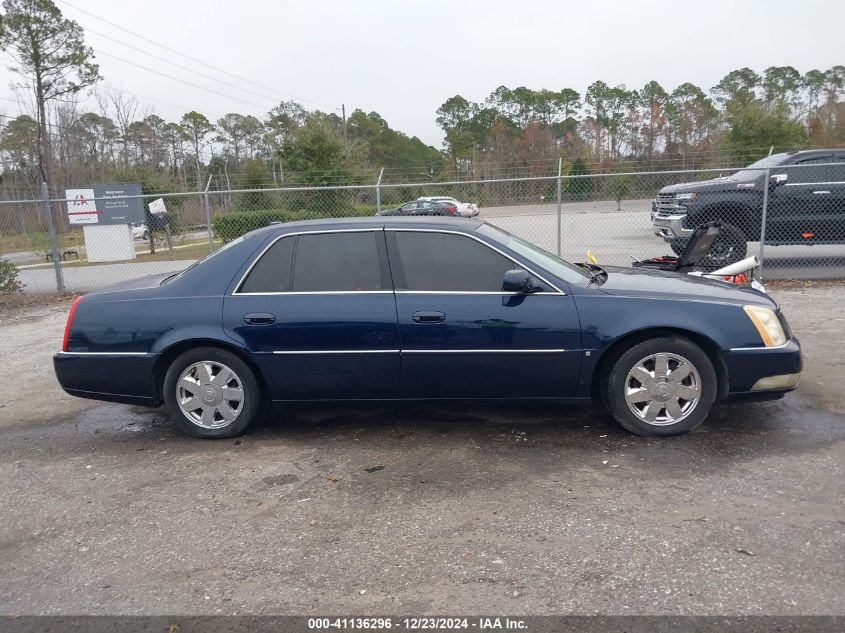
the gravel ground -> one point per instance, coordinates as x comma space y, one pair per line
108, 509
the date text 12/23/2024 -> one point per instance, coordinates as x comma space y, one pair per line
417, 623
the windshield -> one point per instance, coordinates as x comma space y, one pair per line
554, 264
200, 261
755, 170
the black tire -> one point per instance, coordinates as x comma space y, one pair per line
250, 405
731, 246
614, 387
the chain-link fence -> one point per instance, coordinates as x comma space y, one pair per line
798, 210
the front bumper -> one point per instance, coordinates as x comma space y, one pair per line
762, 373
671, 227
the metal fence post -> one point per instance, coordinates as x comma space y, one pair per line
378, 191
208, 215
559, 171
54, 240
763, 215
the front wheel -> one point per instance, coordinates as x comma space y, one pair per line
212, 393
661, 386
728, 248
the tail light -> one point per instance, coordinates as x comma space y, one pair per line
452, 209
70, 320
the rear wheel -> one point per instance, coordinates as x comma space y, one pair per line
212, 393
661, 386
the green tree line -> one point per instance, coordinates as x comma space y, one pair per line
738, 119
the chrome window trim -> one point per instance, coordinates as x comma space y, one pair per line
474, 292
483, 243
315, 292
814, 184
314, 232
235, 293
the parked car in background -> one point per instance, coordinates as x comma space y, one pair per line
806, 205
465, 209
140, 231
423, 207
386, 309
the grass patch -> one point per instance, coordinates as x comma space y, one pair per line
193, 251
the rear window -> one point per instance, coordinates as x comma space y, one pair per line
336, 262
320, 262
272, 272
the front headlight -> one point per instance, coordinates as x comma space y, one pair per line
685, 196
767, 324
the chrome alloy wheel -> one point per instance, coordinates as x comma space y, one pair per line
662, 389
210, 394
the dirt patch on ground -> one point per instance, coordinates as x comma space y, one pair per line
421, 510
31, 329
29, 305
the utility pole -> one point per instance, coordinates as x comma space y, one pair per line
343, 112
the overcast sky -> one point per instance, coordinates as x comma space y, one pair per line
403, 58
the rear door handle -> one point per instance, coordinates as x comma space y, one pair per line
430, 316
821, 193
259, 318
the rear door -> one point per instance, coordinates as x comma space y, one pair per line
317, 311
799, 208
463, 337
836, 221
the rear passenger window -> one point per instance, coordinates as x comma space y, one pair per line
448, 262
272, 272
336, 262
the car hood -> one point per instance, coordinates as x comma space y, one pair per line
714, 184
658, 284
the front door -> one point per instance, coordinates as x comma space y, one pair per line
317, 311
463, 337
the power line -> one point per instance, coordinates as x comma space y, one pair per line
172, 63
187, 83
196, 61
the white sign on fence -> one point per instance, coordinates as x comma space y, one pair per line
157, 206
81, 206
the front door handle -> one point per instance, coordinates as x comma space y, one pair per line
430, 316
821, 193
259, 318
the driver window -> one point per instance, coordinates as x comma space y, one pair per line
810, 171
448, 262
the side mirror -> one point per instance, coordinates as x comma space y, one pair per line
778, 179
518, 280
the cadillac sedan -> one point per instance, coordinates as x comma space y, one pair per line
421, 308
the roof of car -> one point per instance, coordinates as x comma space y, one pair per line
807, 152
417, 221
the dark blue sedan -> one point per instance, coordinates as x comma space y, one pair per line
386, 309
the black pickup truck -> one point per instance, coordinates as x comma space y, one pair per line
806, 205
